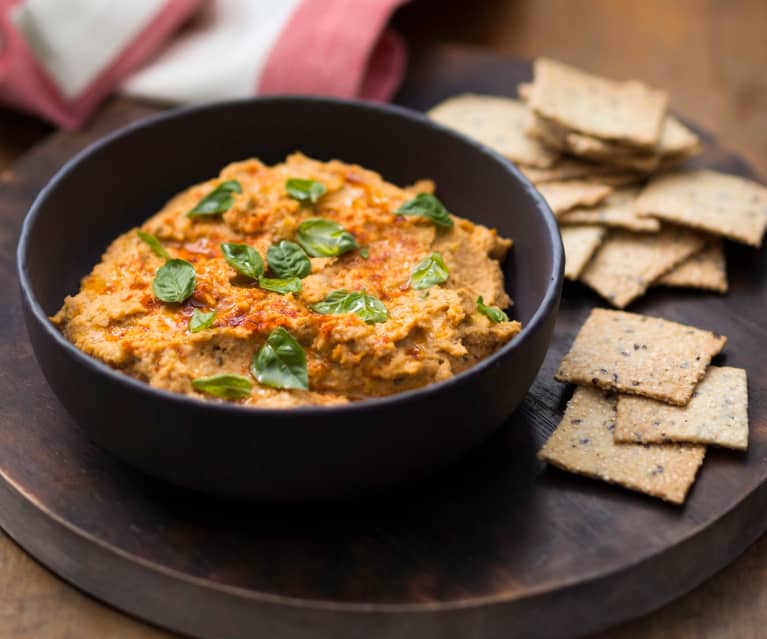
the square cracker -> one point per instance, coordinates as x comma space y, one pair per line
627, 263
675, 138
630, 112
639, 355
496, 122
590, 148
677, 143
580, 242
717, 414
583, 443
613, 154
617, 209
721, 204
566, 195
571, 169
706, 270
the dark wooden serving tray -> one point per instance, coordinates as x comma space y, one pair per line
495, 546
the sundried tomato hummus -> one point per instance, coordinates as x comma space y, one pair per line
427, 333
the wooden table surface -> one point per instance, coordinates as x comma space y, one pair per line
709, 53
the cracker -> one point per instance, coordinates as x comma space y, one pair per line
616, 210
592, 148
630, 112
677, 143
580, 242
627, 263
706, 270
676, 138
583, 443
717, 414
720, 204
496, 122
524, 90
565, 195
571, 169
639, 355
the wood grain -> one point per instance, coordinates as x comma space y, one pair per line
711, 53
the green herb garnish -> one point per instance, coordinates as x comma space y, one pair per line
218, 200
305, 190
153, 243
200, 320
280, 285
280, 362
426, 205
428, 272
493, 313
288, 259
224, 386
323, 238
368, 308
364, 253
174, 281
244, 259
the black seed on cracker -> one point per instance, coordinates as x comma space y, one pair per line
666, 471
654, 371
717, 414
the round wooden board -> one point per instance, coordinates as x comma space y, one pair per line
495, 546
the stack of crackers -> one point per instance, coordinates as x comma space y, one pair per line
605, 155
647, 404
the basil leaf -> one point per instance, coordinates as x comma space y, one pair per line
153, 243
218, 200
288, 259
323, 238
305, 190
364, 253
244, 259
280, 285
174, 281
200, 321
367, 307
224, 386
280, 362
428, 272
426, 205
493, 313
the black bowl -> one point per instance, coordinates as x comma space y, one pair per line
301, 453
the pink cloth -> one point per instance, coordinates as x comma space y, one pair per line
336, 47
327, 47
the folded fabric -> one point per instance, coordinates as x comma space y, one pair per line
60, 59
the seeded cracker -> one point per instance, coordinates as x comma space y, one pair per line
721, 204
617, 210
627, 111
570, 169
592, 149
580, 242
583, 443
705, 270
563, 196
717, 414
676, 140
639, 355
496, 122
627, 263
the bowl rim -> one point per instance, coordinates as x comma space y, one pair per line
549, 302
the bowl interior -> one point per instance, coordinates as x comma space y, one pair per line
126, 177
